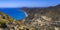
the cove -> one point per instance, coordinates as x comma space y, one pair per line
15, 13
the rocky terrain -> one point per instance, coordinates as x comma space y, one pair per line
47, 18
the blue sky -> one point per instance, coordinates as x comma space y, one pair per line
24, 3
28, 3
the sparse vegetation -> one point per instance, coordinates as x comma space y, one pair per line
50, 15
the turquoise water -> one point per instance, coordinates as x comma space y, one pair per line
15, 13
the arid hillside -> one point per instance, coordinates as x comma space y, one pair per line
47, 18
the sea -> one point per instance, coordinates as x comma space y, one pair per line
15, 13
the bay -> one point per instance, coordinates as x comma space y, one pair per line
15, 13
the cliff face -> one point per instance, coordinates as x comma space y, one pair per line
8, 23
43, 18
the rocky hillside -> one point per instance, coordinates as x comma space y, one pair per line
8, 23
47, 18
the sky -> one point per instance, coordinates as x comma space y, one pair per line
23, 3
28, 3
